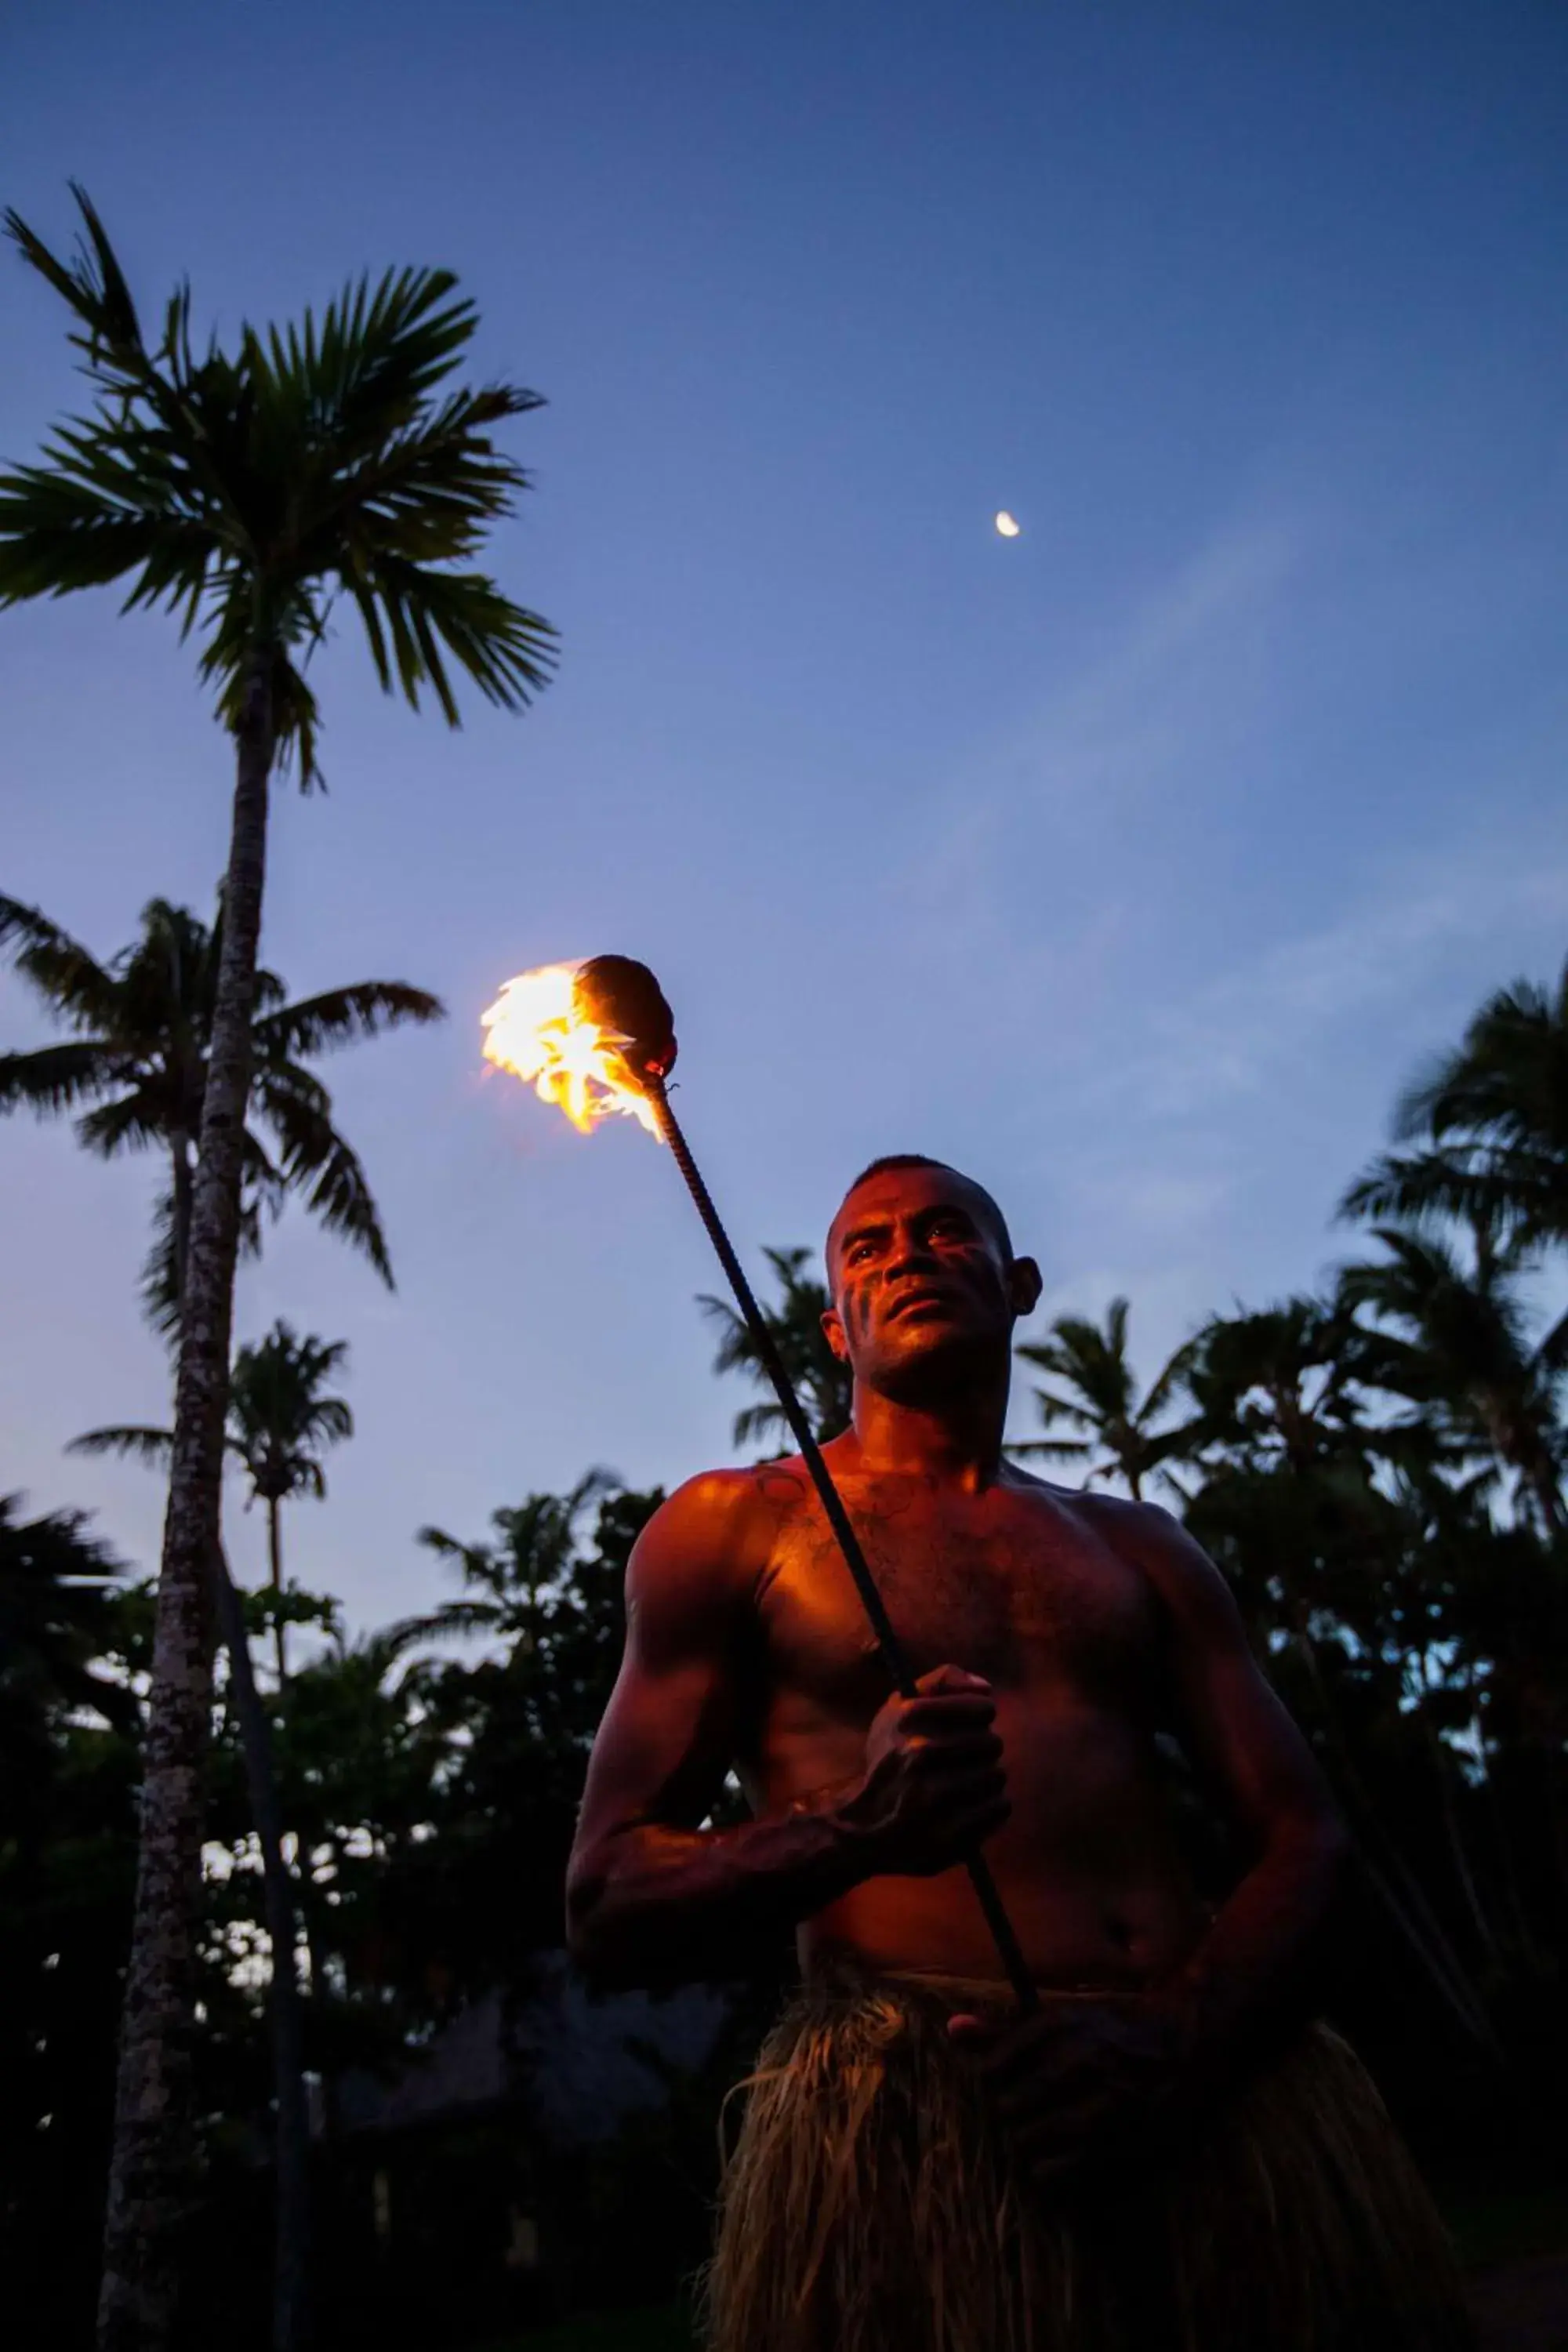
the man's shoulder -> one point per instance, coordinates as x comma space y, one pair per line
723, 1497
1125, 1522
1177, 1568
720, 1527
1145, 1533
1115, 1517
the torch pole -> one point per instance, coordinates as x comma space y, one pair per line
832, 1501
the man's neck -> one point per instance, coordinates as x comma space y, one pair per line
957, 1441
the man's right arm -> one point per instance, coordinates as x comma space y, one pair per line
654, 1898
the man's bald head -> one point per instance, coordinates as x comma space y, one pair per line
893, 1159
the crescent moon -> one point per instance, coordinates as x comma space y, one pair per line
1006, 525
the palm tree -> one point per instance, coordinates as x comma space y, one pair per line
277, 1422
143, 1024
1493, 1120
824, 1385
244, 490
280, 1423
1464, 1356
1282, 1385
1102, 1399
140, 1059
510, 1580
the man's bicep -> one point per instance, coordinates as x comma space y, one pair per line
1238, 1733
667, 1735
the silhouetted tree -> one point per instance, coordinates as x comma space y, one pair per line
243, 491
1093, 1366
1492, 1120
823, 1384
139, 1063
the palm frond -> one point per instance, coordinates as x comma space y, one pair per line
316, 1165
72, 982
328, 1421
341, 1014
56, 1078
377, 355
159, 1281
754, 1422
1168, 1380
1477, 1089
58, 534
436, 1540
131, 1122
411, 612
153, 1446
1055, 1408
452, 1621
1420, 1188
93, 285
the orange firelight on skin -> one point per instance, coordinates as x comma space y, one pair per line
537, 1030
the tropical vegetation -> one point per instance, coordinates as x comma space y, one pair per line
1377, 1466
243, 491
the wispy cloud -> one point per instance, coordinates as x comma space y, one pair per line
1233, 1037
1178, 686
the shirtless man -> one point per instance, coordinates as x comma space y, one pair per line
1054, 1634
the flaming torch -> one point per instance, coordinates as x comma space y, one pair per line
598, 1038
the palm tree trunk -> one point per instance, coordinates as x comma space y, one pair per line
275, 1558
180, 1145
153, 2176
290, 2278
291, 2315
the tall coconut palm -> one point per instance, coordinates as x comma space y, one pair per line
823, 1384
276, 1420
245, 490
1464, 1356
281, 1421
1093, 1366
1492, 1118
139, 1062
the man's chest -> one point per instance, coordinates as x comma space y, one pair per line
1013, 1590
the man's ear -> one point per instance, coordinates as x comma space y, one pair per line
832, 1332
1024, 1284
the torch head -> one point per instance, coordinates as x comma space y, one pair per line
627, 1003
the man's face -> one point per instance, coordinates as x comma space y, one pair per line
924, 1291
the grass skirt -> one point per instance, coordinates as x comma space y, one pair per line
869, 2206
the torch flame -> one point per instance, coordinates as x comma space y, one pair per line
536, 1029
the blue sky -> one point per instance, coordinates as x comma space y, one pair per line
1131, 864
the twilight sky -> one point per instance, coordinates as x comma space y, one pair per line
1131, 863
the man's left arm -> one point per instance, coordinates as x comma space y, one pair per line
1252, 1973
1071, 2086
